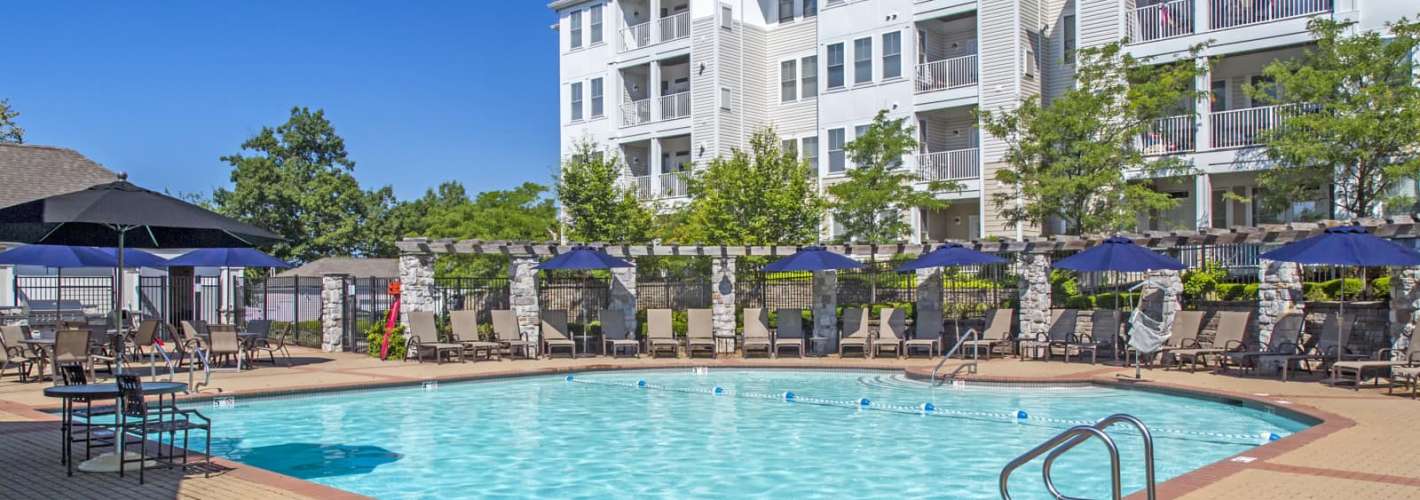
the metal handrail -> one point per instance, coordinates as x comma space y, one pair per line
970, 333
1102, 425
1083, 432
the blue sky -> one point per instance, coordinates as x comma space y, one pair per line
421, 91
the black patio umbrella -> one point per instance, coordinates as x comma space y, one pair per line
120, 214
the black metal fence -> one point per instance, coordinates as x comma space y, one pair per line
754, 287
876, 283
581, 297
291, 301
681, 293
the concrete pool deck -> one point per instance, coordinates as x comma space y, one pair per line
1367, 447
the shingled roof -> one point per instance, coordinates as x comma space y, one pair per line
354, 266
29, 172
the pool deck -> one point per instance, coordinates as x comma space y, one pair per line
1367, 447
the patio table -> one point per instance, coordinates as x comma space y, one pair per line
90, 392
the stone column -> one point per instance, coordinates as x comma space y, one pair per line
1404, 305
623, 295
929, 291
722, 303
1168, 284
332, 312
825, 312
1279, 291
1034, 288
522, 295
416, 281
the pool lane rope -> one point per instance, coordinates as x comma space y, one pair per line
1018, 416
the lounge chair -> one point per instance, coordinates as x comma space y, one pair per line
1283, 342
756, 332
892, 327
857, 332
1105, 327
510, 337
700, 332
1325, 348
424, 339
1383, 362
789, 330
660, 335
1062, 327
926, 333
1184, 330
996, 332
554, 333
615, 335
1408, 375
463, 330
1232, 328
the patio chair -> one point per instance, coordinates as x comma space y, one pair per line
223, 344
660, 336
927, 332
1105, 327
756, 332
424, 339
1185, 328
21, 363
510, 337
789, 330
554, 333
616, 337
857, 332
699, 332
996, 332
1283, 342
1062, 327
191, 342
264, 344
72, 347
1384, 361
18, 354
463, 330
892, 327
260, 327
1232, 328
142, 339
136, 422
95, 434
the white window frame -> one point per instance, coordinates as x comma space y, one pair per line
861, 63
808, 87
789, 68
727, 17
574, 31
789, 145
597, 92
1027, 62
725, 99
1069, 35
576, 100
595, 21
842, 158
809, 154
783, 19
896, 55
842, 65
810, 8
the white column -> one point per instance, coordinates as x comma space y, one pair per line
1202, 107
653, 167
1200, 15
655, 16
1203, 201
655, 90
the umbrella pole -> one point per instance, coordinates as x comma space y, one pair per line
118, 306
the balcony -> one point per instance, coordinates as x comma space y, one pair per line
643, 187
634, 113
946, 74
675, 105
1161, 20
1241, 127
674, 27
1232, 13
635, 37
1174, 134
673, 185
954, 165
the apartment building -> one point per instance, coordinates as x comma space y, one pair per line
668, 85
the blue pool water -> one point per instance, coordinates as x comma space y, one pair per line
603, 436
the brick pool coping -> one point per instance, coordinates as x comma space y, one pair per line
1325, 424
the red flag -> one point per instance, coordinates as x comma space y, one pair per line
389, 329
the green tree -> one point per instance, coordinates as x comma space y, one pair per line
1352, 118
597, 204
870, 203
10, 131
765, 196
519, 214
1076, 159
296, 180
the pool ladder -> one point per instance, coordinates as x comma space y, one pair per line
1075, 436
970, 367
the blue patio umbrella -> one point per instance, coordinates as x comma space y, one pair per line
1118, 254
62, 256
227, 257
583, 257
1345, 246
813, 258
948, 255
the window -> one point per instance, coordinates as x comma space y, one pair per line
1068, 45
576, 20
810, 152
835, 66
892, 55
725, 98
1218, 96
788, 83
596, 15
727, 17
786, 11
1028, 62
808, 69
597, 108
787, 146
863, 60
576, 101
810, 8
835, 150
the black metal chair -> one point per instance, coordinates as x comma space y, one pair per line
95, 435
136, 422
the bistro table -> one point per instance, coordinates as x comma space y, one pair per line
90, 392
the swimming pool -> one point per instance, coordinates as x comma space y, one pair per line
605, 435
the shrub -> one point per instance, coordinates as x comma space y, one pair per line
1343, 288
1202, 283
1249, 292
1380, 288
1080, 302
1314, 292
375, 336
